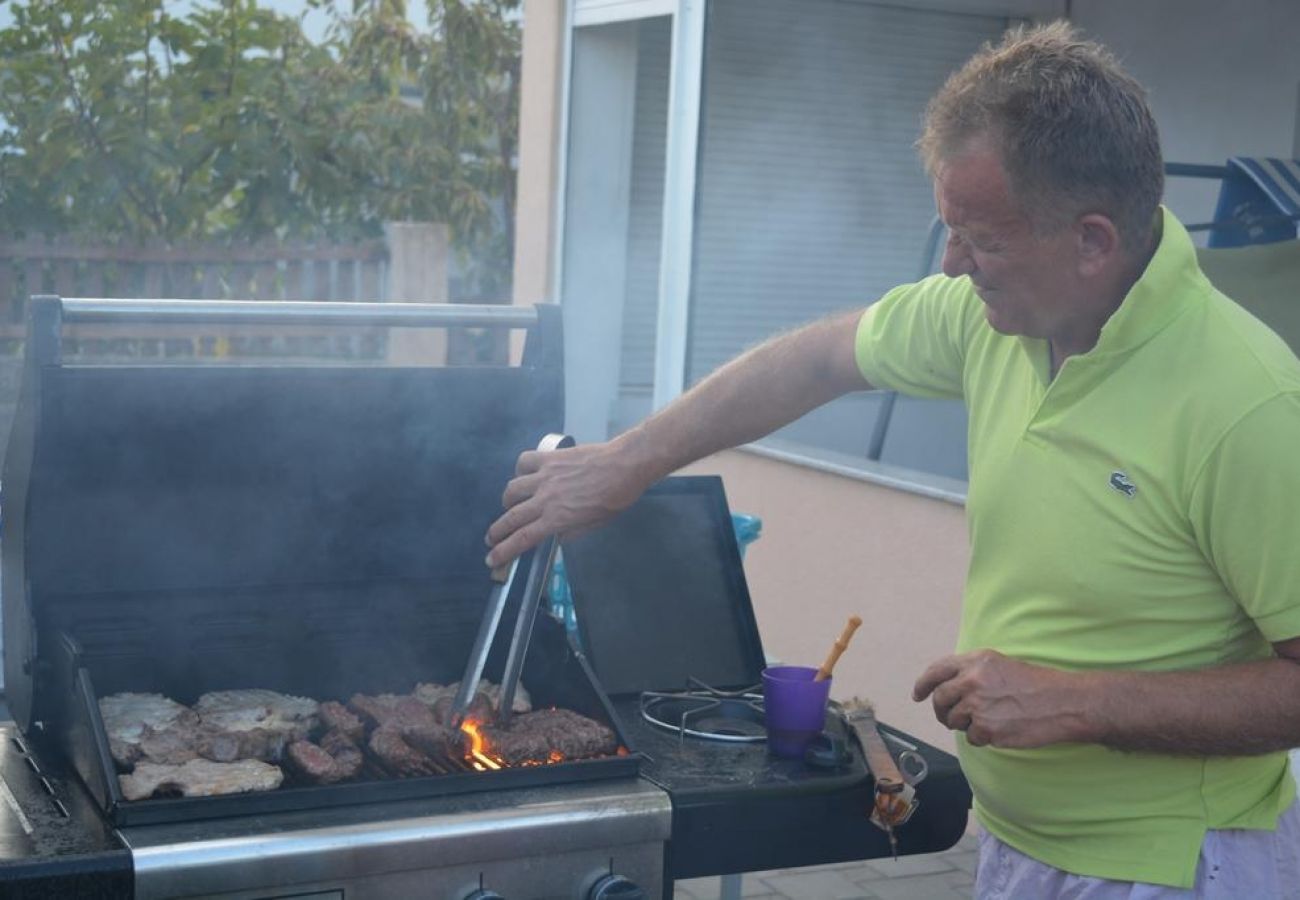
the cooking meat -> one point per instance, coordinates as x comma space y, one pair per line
200, 778
250, 710
311, 761
480, 708
345, 752
442, 695
391, 709
171, 746
438, 741
533, 736
398, 757
335, 716
406, 739
336, 758
129, 717
264, 721
182, 742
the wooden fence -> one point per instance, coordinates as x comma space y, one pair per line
267, 271
409, 263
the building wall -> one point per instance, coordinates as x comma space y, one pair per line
1223, 77
832, 547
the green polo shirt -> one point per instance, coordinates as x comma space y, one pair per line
1137, 511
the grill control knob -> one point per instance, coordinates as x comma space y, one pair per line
616, 887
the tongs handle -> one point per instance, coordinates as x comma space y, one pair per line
538, 573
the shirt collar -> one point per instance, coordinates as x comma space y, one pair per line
1157, 297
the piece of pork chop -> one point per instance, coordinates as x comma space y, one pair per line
200, 778
131, 718
266, 720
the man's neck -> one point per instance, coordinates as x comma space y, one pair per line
1081, 335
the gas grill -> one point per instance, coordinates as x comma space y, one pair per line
317, 530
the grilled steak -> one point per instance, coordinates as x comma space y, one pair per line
406, 739
345, 751
200, 778
480, 708
439, 742
391, 709
264, 721
310, 761
335, 716
129, 718
336, 758
440, 696
398, 757
533, 736
180, 743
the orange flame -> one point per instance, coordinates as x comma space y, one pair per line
478, 746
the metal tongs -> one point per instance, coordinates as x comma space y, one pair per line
539, 569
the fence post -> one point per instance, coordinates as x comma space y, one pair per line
417, 273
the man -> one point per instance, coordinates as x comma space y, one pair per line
1128, 674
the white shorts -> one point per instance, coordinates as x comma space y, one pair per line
1235, 864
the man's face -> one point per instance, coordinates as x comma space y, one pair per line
1027, 281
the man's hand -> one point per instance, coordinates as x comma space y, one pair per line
1001, 701
563, 492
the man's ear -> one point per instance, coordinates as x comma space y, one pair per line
1098, 243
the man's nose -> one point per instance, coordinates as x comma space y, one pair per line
956, 258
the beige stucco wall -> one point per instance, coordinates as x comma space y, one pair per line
833, 546
541, 70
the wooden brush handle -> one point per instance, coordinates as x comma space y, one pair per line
841, 644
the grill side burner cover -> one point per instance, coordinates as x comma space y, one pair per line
661, 596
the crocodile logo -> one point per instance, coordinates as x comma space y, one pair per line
1120, 482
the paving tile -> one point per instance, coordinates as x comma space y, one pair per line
819, 885
697, 889
824, 867
754, 885
918, 887
907, 866
961, 881
966, 862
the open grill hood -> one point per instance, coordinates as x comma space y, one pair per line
311, 530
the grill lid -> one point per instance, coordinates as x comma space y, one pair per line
132, 490
661, 596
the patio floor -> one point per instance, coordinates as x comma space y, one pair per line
933, 876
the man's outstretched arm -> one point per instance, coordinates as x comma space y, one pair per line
565, 491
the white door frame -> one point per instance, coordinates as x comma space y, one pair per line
680, 164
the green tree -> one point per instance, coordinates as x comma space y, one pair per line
124, 121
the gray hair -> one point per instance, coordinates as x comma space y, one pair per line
1073, 129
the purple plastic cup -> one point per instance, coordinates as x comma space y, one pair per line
795, 708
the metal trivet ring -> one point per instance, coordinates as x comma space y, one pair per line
707, 713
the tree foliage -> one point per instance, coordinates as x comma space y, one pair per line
124, 120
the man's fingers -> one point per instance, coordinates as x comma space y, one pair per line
517, 543
516, 531
938, 672
519, 489
944, 698
529, 461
